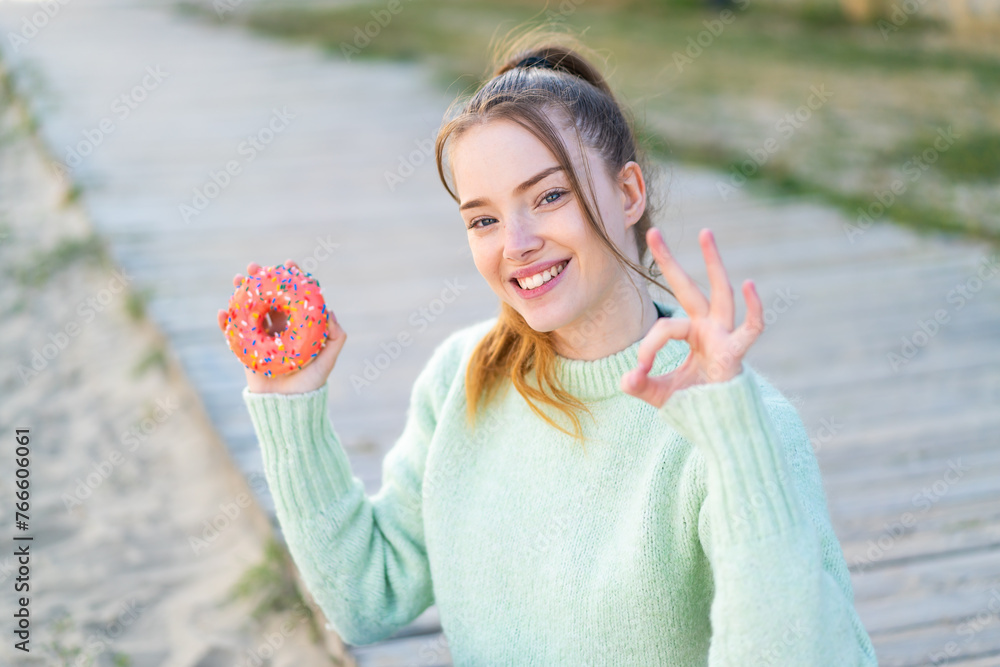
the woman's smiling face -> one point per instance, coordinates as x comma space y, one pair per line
525, 223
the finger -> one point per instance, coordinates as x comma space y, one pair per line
665, 328
721, 297
753, 323
744, 335
685, 289
676, 379
336, 337
656, 390
638, 384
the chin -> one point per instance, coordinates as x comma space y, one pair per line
544, 318
540, 323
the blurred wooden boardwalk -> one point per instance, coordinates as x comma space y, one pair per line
909, 454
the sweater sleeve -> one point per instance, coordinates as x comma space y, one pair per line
782, 590
362, 558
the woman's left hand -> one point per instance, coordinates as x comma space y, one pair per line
716, 348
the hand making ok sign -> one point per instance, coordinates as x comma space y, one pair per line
717, 349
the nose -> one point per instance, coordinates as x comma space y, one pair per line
520, 239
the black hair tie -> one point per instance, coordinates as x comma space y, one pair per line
535, 61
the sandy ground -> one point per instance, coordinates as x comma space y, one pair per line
141, 524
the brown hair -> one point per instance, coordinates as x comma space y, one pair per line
527, 95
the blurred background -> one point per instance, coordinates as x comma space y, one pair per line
846, 155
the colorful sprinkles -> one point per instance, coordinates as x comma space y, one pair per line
277, 288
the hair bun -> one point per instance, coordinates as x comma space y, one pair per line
553, 56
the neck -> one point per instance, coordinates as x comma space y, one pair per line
616, 321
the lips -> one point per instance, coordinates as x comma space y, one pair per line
539, 282
536, 268
538, 279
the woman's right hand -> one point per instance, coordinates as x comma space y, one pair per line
308, 378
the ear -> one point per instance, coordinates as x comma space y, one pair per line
633, 192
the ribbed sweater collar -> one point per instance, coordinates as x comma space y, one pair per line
601, 378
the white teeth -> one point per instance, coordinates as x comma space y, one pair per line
539, 279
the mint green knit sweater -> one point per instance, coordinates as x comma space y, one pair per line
696, 534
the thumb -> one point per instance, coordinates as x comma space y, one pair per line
638, 383
336, 337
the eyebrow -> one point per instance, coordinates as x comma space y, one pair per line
472, 203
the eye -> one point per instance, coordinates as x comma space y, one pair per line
473, 223
553, 195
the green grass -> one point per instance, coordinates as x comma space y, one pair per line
61, 652
271, 586
72, 194
154, 358
42, 265
774, 178
269, 583
891, 90
975, 157
136, 303
456, 28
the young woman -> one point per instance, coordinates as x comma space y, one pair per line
591, 477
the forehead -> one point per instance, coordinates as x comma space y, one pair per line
498, 155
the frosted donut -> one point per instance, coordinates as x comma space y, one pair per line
277, 320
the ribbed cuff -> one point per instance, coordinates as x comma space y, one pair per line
306, 467
748, 475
